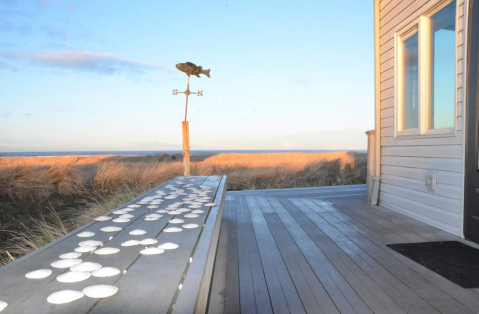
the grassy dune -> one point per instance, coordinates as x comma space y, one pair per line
43, 198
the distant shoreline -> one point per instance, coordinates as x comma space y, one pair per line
170, 152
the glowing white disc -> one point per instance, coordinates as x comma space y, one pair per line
107, 250
121, 220
173, 229
133, 206
119, 212
85, 267
209, 204
84, 249
100, 291
162, 211
151, 251
110, 229
39, 274
168, 246
64, 296
90, 243
176, 221
130, 243
74, 276
106, 272
190, 226
70, 255
102, 218
148, 241
86, 234
137, 232
197, 211
191, 215
65, 263
126, 216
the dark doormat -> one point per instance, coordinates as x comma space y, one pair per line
453, 260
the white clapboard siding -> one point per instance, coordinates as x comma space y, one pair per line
438, 198
445, 177
453, 165
421, 212
405, 161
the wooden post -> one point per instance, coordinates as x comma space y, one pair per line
186, 148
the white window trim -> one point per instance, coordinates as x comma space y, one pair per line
399, 39
421, 26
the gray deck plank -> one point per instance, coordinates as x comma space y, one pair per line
246, 233
246, 285
443, 302
232, 292
274, 268
35, 292
344, 296
386, 223
404, 296
377, 300
313, 295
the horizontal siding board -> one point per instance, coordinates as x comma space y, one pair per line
445, 177
450, 151
434, 141
386, 46
386, 55
445, 197
386, 75
387, 64
397, 10
387, 84
388, 8
404, 14
431, 212
389, 112
384, 3
404, 206
387, 122
453, 165
387, 103
388, 93
387, 131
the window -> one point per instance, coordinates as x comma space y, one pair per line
443, 65
410, 105
425, 73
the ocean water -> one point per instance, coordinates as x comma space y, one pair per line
156, 152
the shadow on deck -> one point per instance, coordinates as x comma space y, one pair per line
321, 250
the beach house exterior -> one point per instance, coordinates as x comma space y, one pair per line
423, 151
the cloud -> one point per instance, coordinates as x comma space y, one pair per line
7, 114
83, 61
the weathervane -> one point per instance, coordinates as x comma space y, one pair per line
190, 69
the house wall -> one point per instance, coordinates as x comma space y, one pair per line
404, 162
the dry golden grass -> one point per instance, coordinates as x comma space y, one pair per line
43, 198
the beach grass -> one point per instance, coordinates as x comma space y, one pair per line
44, 198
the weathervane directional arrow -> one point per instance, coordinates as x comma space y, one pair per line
187, 93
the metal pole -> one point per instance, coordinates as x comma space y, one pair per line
187, 94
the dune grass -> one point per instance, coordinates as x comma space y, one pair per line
44, 198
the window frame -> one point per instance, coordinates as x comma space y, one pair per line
399, 40
421, 26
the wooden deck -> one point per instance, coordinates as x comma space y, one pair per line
321, 250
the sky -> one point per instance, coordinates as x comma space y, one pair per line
98, 75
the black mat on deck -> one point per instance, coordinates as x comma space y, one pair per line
453, 260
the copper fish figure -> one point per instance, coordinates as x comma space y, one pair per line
191, 69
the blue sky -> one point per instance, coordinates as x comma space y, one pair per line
98, 75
